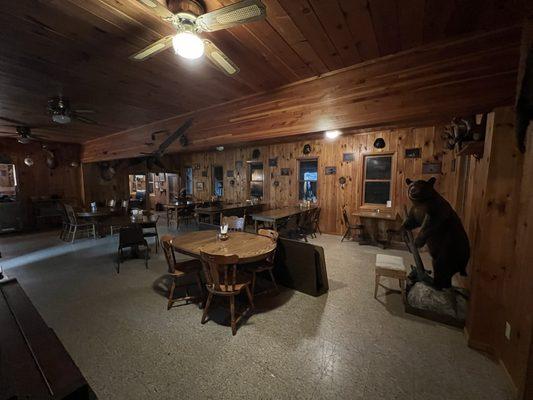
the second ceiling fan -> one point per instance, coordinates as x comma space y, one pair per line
189, 19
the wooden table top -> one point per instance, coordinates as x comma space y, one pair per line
278, 213
224, 207
100, 212
389, 216
247, 246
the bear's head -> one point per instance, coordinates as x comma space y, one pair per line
421, 190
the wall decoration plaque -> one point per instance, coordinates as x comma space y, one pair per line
230, 173
348, 157
330, 170
413, 153
431, 167
238, 164
273, 162
285, 171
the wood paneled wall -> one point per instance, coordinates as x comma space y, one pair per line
438, 81
331, 195
38, 180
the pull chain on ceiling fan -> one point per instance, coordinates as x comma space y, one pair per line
190, 20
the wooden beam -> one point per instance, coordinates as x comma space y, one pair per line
464, 76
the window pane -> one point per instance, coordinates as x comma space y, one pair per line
377, 192
308, 170
378, 167
308, 190
256, 189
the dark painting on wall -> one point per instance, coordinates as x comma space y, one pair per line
348, 157
229, 173
331, 170
285, 171
413, 153
273, 162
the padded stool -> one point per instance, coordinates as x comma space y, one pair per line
390, 267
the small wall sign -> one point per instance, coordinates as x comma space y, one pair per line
330, 170
413, 153
431, 167
285, 171
273, 162
229, 173
347, 157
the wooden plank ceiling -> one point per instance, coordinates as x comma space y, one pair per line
80, 49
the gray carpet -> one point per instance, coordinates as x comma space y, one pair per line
343, 345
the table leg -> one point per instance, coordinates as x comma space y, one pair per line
255, 225
275, 225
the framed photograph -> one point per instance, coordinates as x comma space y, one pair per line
162, 177
238, 164
285, 171
348, 157
330, 170
199, 186
230, 173
413, 153
273, 162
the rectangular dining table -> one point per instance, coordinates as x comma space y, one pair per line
211, 212
272, 216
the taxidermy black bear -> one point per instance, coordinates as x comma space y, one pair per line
440, 228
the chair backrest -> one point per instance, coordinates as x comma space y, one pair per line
166, 244
220, 271
71, 215
316, 217
131, 235
269, 233
234, 223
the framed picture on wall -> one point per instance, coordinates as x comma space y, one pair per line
199, 186
285, 171
162, 177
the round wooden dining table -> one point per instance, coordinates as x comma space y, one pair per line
98, 213
247, 246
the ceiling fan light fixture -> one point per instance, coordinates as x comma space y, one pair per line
188, 45
61, 118
333, 134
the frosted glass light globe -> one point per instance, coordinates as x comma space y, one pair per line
188, 45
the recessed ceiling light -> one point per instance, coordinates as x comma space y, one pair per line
188, 45
333, 134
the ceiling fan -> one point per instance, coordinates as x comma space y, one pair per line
22, 132
189, 19
61, 112
154, 158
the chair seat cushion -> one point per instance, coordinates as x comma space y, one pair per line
386, 261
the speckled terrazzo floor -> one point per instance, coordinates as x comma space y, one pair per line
343, 345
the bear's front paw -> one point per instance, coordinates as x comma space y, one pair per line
419, 242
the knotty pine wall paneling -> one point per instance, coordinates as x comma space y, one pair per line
331, 196
38, 180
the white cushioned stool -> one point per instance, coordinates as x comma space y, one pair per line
390, 267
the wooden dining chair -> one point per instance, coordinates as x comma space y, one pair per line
351, 229
222, 279
150, 230
179, 271
76, 226
131, 237
264, 265
235, 224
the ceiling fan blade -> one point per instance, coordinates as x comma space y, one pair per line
157, 8
219, 59
172, 137
12, 121
235, 14
84, 111
83, 119
153, 49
